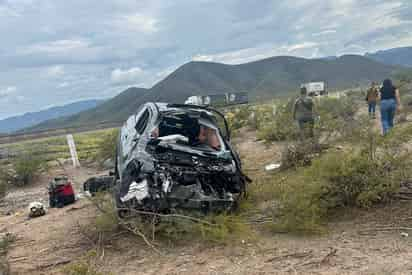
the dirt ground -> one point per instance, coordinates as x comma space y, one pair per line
376, 241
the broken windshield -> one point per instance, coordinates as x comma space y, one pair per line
194, 130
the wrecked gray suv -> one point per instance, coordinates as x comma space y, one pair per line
175, 156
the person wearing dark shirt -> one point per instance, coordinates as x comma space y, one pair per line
303, 113
390, 102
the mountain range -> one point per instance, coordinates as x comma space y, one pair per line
16, 123
397, 56
276, 76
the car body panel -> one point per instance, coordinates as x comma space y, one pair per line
175, 156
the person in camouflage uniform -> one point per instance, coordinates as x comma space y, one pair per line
303, 113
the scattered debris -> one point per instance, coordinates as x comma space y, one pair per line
404, 234
36, 209
272, 166
97, 184
324, 260
61, 192
339, 147
57, 263
290, 255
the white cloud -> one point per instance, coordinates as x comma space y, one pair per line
325, 32
7, 91
137, 23
19, 99
303, 45
257, 53
132, 75
55, 47
8, 95
8, 12
54, 71
63, 85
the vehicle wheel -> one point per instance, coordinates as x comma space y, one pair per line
116, 162
121, 208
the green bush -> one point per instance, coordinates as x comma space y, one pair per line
5, 241
3, 189
335, 180
336, 118
107, 146
86, 266
353, 179
239, 117
299, 153
332, 116
27, 167
220, 229
4, 181
276, 126
81, 268
107, 221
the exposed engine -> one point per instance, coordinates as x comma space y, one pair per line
185, 181
174, 156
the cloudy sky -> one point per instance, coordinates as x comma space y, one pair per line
58, 51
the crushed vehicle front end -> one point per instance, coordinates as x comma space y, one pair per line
180, 160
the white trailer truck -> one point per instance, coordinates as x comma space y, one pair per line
315, 88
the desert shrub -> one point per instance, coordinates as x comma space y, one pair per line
27, 167
81, 268
337, 179
299, 209
239, 117
226, 228
107, 221
107, 146
278, 125
353, 179
3, 182
4, 266
86, 266
336, 117
333, 116
3, 189
364, 170
299, 153
221, 229
5, 241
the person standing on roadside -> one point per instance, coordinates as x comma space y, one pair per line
303, 114
390, 103
371, 97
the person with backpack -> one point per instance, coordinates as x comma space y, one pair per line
303, 114
390, 103
371, 97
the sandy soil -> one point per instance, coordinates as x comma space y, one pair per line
360, 242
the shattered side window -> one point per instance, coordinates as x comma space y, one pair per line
220, 123
142, 122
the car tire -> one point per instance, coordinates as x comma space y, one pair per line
121, 208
